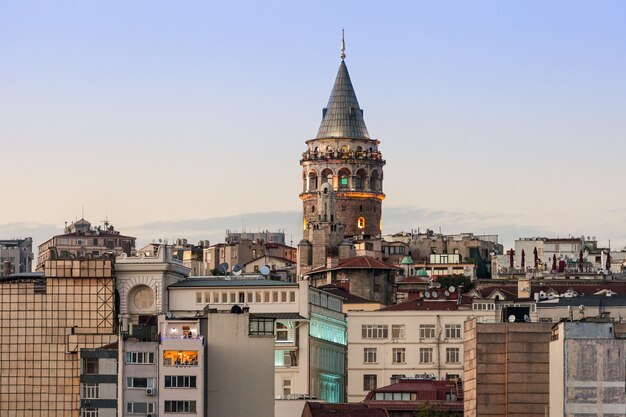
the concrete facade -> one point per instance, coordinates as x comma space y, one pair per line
45, 319
413, 339
16, 256
587, 369
506, 369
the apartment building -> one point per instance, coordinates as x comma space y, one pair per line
81, 240
98, 381
310, 328
418, 338
46, 318
16, 256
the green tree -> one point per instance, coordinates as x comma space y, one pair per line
430, 410
456, 281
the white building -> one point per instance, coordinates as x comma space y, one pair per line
310, 328
419, 338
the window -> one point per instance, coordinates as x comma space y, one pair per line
137, 358
369, 355
180, 406
198, 297
398, 355
426, 355
180, 381
90, 366
139, 408
453, 331
374, 331
90, 391
89, 412
139, 382
452, 355
369, 382
261, 327
360, 223
292, 296
180, 358
397, 331
427, 331
286, 387
282, 333
285, 358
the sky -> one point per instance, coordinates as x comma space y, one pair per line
184, 119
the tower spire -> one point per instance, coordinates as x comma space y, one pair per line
343, 46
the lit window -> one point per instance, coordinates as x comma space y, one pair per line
180, 358
360, 223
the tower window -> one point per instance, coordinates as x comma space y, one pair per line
312, 209
360, 208
360, 223
343, 207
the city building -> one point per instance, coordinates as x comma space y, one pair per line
16, 256
265, 237
316, 409
418, 338
98, 381
506, 369
81, 240
363, 276
46, 318
587, 368
310, 328
402, 398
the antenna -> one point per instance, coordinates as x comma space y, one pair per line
511, 318
343, 46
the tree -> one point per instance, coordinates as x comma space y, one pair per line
456, 281
431, 410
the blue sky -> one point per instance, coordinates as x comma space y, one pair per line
494, 117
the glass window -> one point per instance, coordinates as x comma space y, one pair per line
369, 382
180, 358
90, 391
180, 381
292, 296
177, 406
374, 331
139, 382
369, 355
135, 358
452, 355
453, 331
139, 408
198, 297
282, 333
91, 366
398, 355
397, 331
261, 327
427, 331
426, 355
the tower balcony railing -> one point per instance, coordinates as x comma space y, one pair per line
342, 156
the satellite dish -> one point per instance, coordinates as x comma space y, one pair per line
426, 294
451, 289
222, 268
511, 318
447, 293
264, 270
526, 318
238, 269
169, 314
434, 294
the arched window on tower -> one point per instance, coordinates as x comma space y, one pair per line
360, 223
359, 179
312, 181
375, 180
344, 178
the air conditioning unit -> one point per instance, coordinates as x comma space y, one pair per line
150, 391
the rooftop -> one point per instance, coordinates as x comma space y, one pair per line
202, 282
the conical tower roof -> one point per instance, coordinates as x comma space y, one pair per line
342, 117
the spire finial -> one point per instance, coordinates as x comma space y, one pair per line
343, 46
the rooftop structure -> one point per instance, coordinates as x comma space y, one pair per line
16, 256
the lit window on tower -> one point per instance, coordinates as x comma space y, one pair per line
360, 223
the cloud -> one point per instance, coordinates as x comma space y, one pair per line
401, 218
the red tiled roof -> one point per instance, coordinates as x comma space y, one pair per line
414, 279
342, 410
430, 305
429, 390
358, 262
